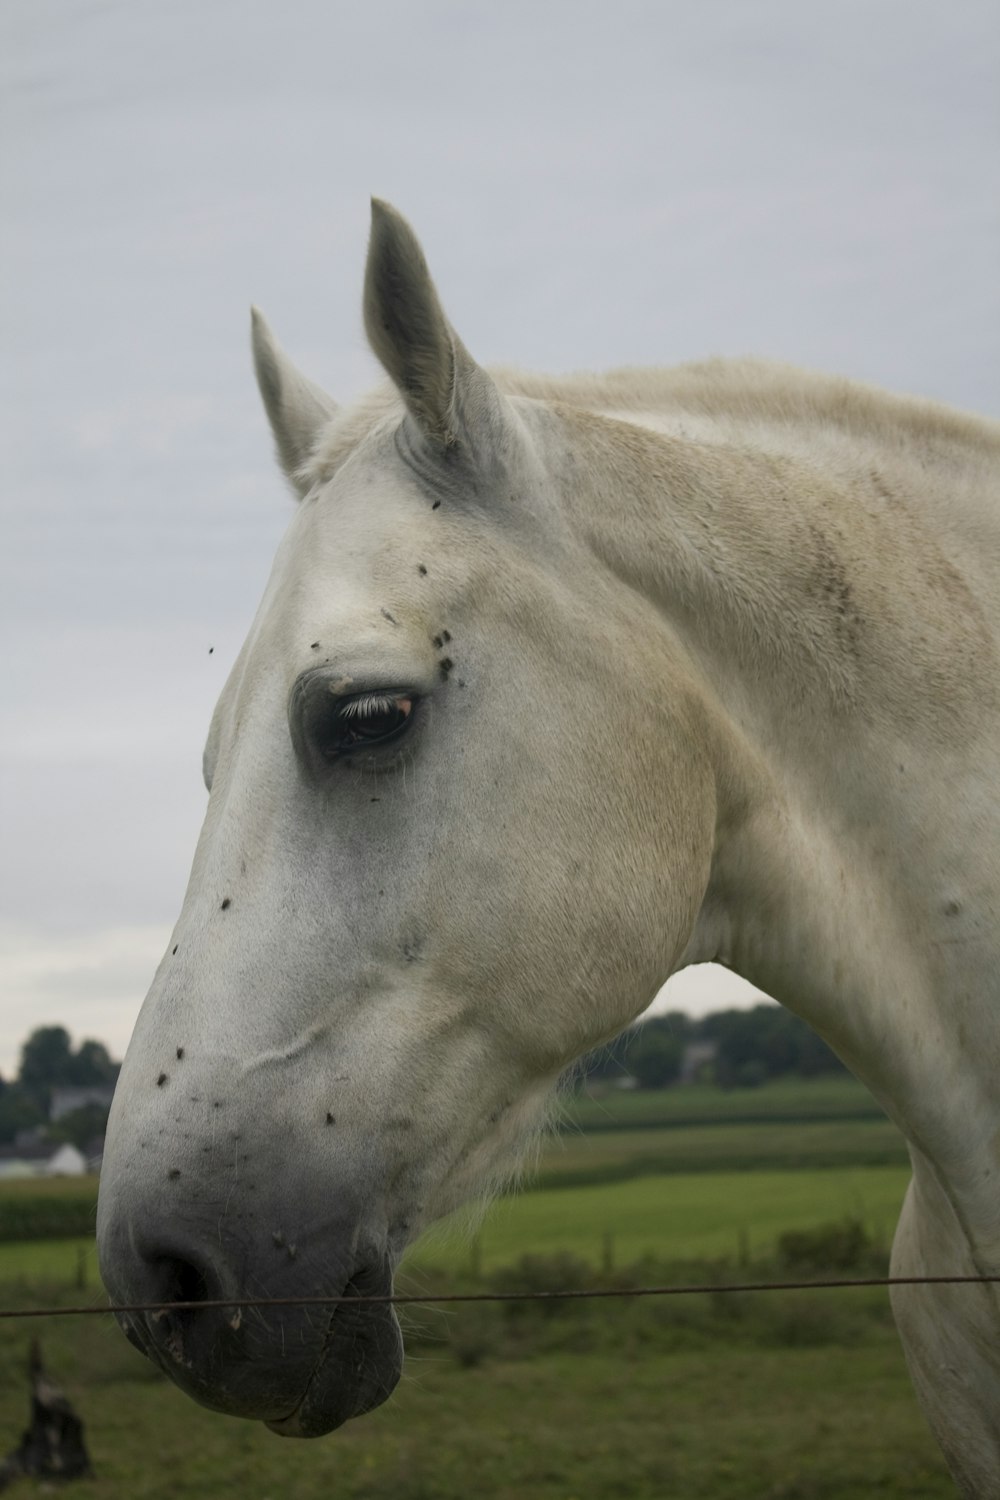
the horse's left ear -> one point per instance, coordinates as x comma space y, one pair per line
296, 409
452, 399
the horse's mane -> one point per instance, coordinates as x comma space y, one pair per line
761, 392
732, 394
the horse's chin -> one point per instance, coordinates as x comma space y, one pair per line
302, 1373
358, 1369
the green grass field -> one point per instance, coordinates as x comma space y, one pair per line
682, 1217
716, 1424
836, 1096
781, 1397
73, 1189
691, 1216
27, 1263
575, 1158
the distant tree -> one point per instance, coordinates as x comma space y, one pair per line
678, 1022
650, 1051
655, 1054
80, 1125
92, 1065
46, 1063
765, 1042
18, 1111
752, 1046
49, 1062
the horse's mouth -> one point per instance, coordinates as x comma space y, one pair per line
358, 1367
283, 1371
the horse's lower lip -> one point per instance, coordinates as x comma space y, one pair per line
357, 1370
290, 1426
359, 1362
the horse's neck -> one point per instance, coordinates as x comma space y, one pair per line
818, 568
847, 660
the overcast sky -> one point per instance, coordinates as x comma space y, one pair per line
594, 184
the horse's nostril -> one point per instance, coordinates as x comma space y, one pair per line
154, 1279
185, 1282
180, 1274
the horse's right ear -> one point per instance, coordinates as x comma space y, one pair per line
454, 403
296, 409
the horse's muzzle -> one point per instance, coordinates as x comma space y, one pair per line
303, 1369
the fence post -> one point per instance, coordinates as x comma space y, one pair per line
608, 1253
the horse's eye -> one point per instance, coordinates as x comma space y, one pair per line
363, 720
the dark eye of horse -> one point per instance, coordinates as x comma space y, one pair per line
360, 721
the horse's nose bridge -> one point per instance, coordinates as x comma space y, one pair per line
200, 1125
197, 1126
248, 965
236, 982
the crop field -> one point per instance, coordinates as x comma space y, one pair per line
47, 1208
798, 1396
784, 1101
683, 1217
712, 1215
573, 1159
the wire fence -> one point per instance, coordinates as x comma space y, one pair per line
563, 1294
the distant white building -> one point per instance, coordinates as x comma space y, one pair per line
698, 1058
42, 1159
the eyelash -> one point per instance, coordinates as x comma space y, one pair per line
351, 722
366, 705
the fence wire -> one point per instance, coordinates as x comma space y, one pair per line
565, 1294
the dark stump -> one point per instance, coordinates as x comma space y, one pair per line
52, 1446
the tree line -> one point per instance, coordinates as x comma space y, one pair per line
739, 1049
49, 1061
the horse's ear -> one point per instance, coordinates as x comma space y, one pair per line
447, 393
296, 409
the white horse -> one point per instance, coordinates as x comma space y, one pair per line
558, 686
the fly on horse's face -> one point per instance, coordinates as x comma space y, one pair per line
459, 830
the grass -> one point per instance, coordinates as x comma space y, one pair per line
74, 1189
783, 1397
27, 1263
615, 1155
683, 1217
837, 1096
723, 1421
35, 1208
692, 1216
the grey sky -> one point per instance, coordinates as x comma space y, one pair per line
594, 185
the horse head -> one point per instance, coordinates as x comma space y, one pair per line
459, 829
